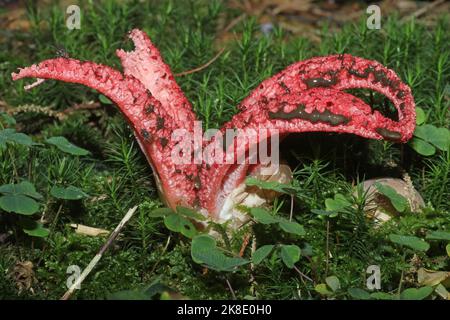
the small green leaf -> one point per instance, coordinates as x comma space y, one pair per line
19, 204
103, 99
165, 296
323, 289
422, 147
204, 241
68, 193
439, 137
160, 212
398, 201
424, 131
36, 230
190, 213
338, 203
25, 188
128, 295
4, 134
270, 185
10, 135
64, 145
178, 223
333, 282
21, 138
204, 251
359, 294
420, 116
447, 248
382, 296
292, 227
290, 254
410, 241
155, 288
325, 213
9, 120
438, 235
416, 294
263, 216
262, 252
307, 250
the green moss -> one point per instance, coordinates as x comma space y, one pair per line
117, 177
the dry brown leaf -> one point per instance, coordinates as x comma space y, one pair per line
406, 5
23, 275
89, 231
431, 278
288, 6
99, 198
442, 291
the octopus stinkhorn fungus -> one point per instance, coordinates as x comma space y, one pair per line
306, 96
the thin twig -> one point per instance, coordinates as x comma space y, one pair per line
401, 277
202, 66
244, 244
13, 162
34, 84
292, 208
422, 10
55, 220
252, 268
82, 106
231, 289
99, 255
400, 283
234, 22
303, 275
327, 247
303, 281
313, 268
161, 255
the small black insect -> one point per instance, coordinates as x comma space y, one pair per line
60, 51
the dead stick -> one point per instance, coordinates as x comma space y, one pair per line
201, 67
244, 244
82, 106
423, 10
302, 275
231, 288
234, 22
292, 208
34, 84
99, 255
327, 247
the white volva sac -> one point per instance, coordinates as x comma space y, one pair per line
251, 196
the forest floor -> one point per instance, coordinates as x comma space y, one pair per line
94, 179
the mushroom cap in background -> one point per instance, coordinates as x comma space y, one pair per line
379, 207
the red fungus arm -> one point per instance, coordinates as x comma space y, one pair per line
341, 72
145, 63
149, 120
314, 110
306, 97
